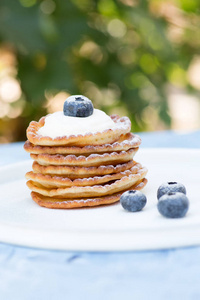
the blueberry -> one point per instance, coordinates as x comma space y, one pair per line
78, 106
170, 187
133, 200
173, 205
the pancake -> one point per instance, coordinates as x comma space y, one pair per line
82, 202
125, 142
80, 172
51, 181
88, 161
108, 136
90, 191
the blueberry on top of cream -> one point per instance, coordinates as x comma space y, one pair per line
78, 106
73, 121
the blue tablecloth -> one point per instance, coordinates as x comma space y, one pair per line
27, 273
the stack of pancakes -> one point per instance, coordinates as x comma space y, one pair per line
83, 170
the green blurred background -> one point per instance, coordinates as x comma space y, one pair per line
135, 58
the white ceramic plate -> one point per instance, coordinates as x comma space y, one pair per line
107, 228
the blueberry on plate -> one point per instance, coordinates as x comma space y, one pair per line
133, 200
170, 187
78, 106
173, 205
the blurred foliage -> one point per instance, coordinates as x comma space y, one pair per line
121, 54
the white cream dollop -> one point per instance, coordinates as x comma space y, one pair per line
58, 125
